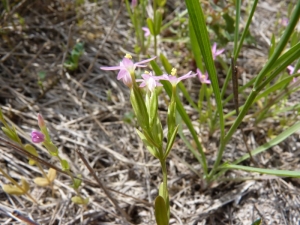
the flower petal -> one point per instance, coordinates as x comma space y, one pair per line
122, 73
138, 64
188, 75
37, 136
110, 68
127, 63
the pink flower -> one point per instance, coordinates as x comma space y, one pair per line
284, 21
146, 30
291, 69
203, 77
150, 81
216, 52
133, 3
126, 69
37, 136
175, 80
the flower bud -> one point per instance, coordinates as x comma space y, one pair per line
37, 137
41, 121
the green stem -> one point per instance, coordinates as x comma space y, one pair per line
155, 35
165, 178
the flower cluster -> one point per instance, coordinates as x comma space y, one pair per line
126, 74
37, 136
150, 81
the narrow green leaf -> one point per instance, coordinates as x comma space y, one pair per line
199, 25
246, 30
79, 200
77, 182
161, 3
171, 121
139, 107
157, 133
285, 134
150, 26
281, 173
257, 222
167, 66
8, 133
237, 25
171, 142
157, 22
149, 146
274, 88
161, 214
153, 108
52, 149
64, 164
279, 69
29, 148
286, 56
273, 45
195, 47
161, 193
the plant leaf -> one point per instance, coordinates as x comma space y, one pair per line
171, 142
161, 214
149, 146
281, 173
29, 148
52, 175
14, 190
41, 181
80, 201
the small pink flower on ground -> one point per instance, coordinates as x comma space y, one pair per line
203, 77
175, 80
133, 3
150, 81
216, 52
147, 31
127, 68
284, 21
291, 69
37, 136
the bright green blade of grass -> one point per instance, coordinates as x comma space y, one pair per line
199, 25
281, 137
237, 25
281, 173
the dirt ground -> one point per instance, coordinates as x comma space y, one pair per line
86, 109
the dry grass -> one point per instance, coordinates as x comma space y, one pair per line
85, 111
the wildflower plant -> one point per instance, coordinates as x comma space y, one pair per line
38, 137
43, 137
146, 111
